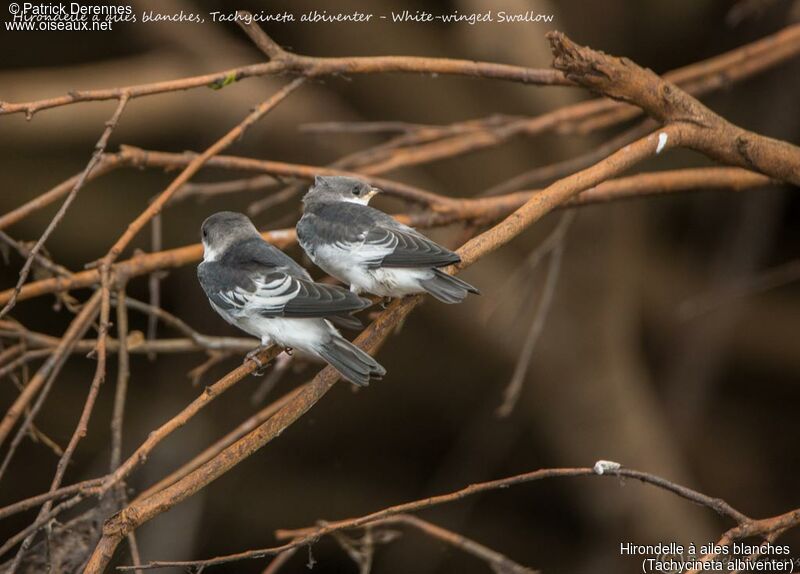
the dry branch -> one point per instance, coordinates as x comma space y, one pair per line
81, 429
701, 129
143, 510
194, 166
304, 536
496, 561
100, 148
717, 72
688, 123
53, 365
140, 511
485, 209
245, 427
427, 144
283, 62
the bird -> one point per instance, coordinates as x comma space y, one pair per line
370, 250
264, 292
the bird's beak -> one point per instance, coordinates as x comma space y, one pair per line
373, 191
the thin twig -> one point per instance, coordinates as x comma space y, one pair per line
107, 163
123, 374
154, 280
141, 511
514, 388
495, 560
53, 365
209, 394
83, 422
309, 66
303, 536
194, 166
484, 209
99, 148
548, 173
80, 487
279, 561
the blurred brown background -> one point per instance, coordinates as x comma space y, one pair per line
644, 358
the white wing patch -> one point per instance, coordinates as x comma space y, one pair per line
270, 296
372, 253
344, 254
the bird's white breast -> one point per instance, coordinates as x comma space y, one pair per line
348, 266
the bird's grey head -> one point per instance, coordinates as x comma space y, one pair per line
332, 188
222, 230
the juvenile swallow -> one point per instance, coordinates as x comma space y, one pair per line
369, 249
262, 291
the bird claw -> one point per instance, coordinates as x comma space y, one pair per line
253, 356
289, 351
385, 302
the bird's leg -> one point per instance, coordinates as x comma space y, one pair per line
253, 356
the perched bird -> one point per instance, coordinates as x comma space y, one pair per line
262, 291
369, 249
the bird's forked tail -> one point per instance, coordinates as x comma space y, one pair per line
352, 363
447, 288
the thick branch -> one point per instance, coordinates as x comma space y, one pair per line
139, 512
702, 129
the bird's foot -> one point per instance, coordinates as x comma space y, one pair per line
253, 356
289, 351
385, 302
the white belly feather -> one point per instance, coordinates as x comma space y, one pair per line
349, 266
303, 334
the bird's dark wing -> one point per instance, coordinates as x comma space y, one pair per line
256, 253
321, 300
411, 249
376, 238
263, 284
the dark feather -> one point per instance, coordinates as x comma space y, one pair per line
361, 226
256, 277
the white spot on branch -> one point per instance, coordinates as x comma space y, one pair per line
662, 141
605, 466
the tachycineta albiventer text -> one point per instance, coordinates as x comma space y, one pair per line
262, 291
369, 249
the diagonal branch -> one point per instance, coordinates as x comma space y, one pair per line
485, 209
701, 129
194, 166
141, 511
104, 271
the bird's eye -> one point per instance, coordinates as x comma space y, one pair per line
357, 191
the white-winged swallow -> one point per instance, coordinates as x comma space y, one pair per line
370, 250
259, 289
